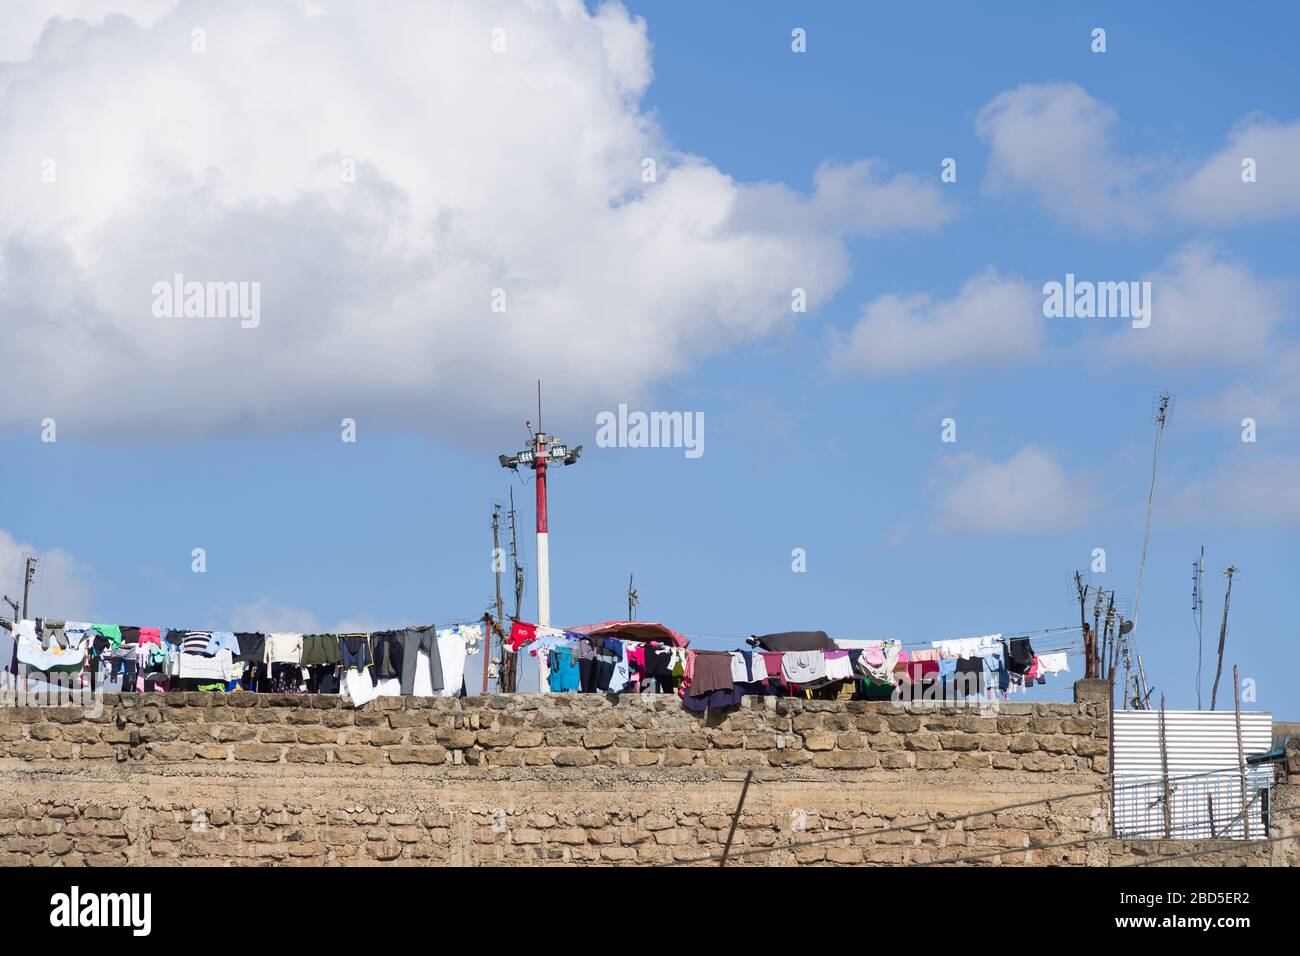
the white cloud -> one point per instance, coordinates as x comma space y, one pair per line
1215, 193
1271, 396
1029, 492
1204, 309
1254, 489
1054, 140
63, 589
267, 616
474, 171
270, 616
991, 321
24, 20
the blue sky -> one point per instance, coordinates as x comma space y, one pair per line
809, 442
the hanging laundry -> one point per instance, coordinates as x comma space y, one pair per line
747, 667
190, 642
354, 652
521, 634
795, 641
58, 657
359, 687
284, 648
564, 675
201, 667
252, 646
320, 650
877, 663
621, 674
803, 667
1019, 655
711, 671
420, 649
451, 651
112, 632
838, 666
386, 656
1054, 662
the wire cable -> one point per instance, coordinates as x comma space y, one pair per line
849, 834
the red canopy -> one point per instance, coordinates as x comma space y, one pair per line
634, 631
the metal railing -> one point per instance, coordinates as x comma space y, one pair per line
1201, 807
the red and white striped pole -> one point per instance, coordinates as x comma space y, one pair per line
542, 449
543, 559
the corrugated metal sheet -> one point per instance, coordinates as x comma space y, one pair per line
1196, 741
1201, 748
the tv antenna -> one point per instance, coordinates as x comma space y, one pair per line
1230, 570
1161, 418
32, 572
1198, 616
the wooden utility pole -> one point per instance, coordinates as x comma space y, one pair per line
1230, 570
633, 599
1143, 690
1096, 636
1110, 631
487, 651
29, 572
1241, 753
510, 662
1164, 773
1089, 651
1126, 678
500, 623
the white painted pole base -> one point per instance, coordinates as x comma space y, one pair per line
543, 603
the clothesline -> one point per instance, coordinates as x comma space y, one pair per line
619, 659
422, 660
922, 644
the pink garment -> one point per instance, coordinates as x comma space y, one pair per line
636, 655
918, 670
150, 635
772, 661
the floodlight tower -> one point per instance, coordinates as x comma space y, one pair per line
543, 449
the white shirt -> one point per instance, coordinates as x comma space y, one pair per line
451, 648
284, 648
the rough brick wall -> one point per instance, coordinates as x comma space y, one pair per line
206, 778
254, 779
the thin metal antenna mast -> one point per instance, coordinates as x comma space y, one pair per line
1230, 570
1198, 616
1161, 416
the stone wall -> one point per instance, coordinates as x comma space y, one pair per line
252, 779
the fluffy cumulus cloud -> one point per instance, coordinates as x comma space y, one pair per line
1215, 193
1205, 309
379, 177
1054, 141
1271, 396
991, 321
1255, 489
1029, 492
63, 587
268, 616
